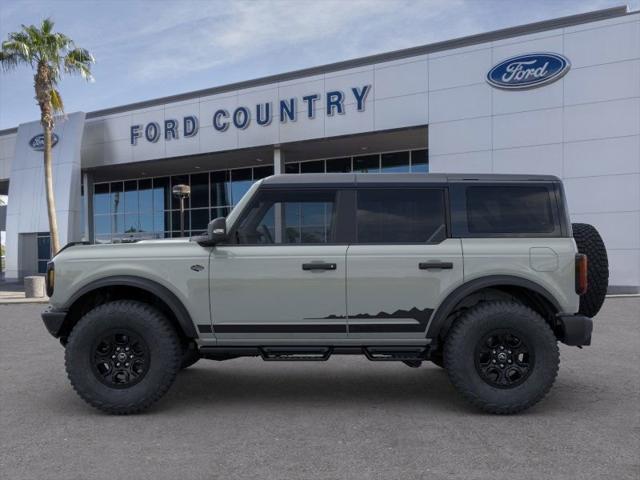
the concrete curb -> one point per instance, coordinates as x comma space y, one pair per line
11, 301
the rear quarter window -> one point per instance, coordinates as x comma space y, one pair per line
505, 210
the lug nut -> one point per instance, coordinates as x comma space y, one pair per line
508, 361
502, 365
118, 364
127, 349
117, 349
126, 364
113, 356
501, 347
493, 361
130, 356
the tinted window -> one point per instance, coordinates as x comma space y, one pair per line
498, 209
289, 217
401, 216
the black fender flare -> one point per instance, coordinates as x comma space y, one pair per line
439, 319
150, 286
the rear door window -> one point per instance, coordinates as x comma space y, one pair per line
500, 209
408, 215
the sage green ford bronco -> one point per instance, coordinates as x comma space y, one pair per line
480, 274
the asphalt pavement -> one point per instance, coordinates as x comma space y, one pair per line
347, 418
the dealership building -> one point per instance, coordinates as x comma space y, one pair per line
558, 97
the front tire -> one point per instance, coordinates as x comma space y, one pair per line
122, 356
502, 357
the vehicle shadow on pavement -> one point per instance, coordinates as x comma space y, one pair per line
217, 384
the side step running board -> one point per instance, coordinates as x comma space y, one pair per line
318, 353
395, 354
279, 354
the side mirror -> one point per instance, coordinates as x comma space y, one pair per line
216, 233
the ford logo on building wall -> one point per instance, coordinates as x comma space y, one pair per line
37, 142
528, 71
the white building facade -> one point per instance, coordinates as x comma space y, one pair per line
559, 97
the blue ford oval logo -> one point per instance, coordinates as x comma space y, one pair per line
37, 142
528, 71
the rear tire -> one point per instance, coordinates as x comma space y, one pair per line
122, 356
589, 242
502, 357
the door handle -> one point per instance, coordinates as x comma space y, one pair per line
435, 265
319, 266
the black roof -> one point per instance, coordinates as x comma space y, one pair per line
352, 179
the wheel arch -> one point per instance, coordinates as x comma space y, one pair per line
527, 291
134, 288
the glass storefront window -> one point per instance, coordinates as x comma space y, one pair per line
199, 219
131, 203
262, 172
339, 165
292, 168
317, 166
44, 251
366, 164
241, 180
220, 189
161, 194
145, 208
145, 195
116, 198
420, 161
101, 198
200, 190
397, 162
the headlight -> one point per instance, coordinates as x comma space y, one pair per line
50, 278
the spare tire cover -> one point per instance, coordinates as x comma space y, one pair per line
589, 242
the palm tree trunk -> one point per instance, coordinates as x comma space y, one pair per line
51, 201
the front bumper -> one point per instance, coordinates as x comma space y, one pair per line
575, 330
54, 320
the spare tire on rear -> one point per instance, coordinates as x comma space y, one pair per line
590, 243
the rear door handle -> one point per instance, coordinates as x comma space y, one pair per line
435, 265
319, 266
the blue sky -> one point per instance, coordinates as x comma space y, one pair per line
149, 49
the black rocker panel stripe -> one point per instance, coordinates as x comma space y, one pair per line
420, 317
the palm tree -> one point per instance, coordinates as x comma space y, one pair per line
49, 54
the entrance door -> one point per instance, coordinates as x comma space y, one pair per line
284, 274
401, 264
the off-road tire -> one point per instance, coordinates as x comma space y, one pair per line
460, 356
150, 325
589, 242
190, 355
436, 359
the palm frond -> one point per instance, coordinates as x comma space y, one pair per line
9, 61
79, 61
47, 26
56, 101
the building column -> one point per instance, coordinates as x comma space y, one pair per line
278, 160
87, 221
278, 169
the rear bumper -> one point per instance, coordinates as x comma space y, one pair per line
575, 330
54, 320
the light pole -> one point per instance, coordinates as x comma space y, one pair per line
182, 192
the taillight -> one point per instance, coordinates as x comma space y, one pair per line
50, 278
581, 274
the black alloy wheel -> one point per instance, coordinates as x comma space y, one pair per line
503, 359
120, 358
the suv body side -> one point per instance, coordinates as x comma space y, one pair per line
367, 298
